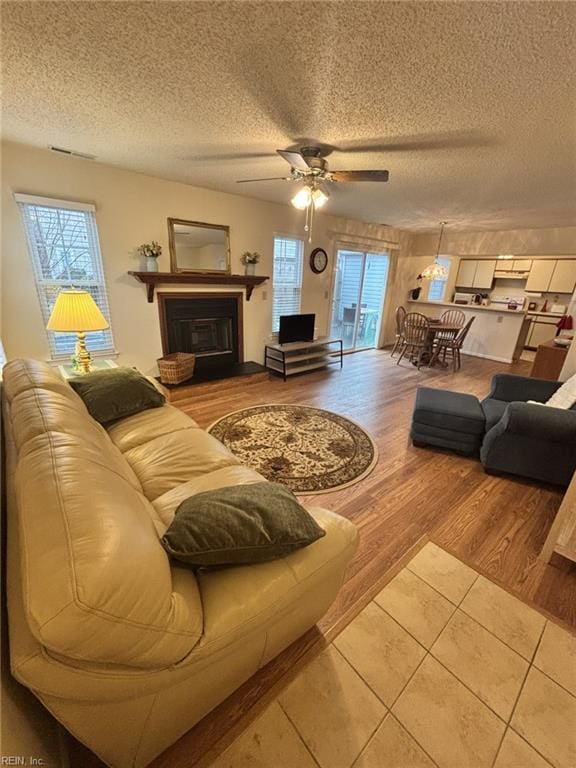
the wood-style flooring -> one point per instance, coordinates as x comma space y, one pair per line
496, 524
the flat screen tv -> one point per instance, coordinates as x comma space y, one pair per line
296, 328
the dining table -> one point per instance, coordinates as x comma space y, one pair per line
437, 326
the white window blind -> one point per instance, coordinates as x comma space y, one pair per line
65, 252
286, 278
437, 288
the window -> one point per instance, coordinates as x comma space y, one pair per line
286, 278
65, 252
437, 288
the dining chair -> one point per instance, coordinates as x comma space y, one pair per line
453, 345
415, 337
453, 317
400, 316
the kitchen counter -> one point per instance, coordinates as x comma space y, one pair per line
497, 334
489, 308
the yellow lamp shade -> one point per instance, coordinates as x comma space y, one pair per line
76, 311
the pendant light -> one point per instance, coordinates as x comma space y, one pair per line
436, 271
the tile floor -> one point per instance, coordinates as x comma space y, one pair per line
443, 669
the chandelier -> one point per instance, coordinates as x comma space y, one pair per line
436, 271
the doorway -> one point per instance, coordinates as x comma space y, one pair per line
358, 298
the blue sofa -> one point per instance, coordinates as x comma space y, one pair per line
526, 439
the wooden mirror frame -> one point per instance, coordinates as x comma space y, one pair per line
172, 245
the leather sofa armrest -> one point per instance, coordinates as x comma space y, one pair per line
510, 388
555, 425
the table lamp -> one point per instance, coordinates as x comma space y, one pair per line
76, 312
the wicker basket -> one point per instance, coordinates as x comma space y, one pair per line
177, 367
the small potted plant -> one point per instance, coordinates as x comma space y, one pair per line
150, 252
415, 292
250, 259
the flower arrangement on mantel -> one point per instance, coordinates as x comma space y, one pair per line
150, 252
250, 259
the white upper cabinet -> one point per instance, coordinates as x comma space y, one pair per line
564, 276
466, 273
522, 265
484, 275
540, 275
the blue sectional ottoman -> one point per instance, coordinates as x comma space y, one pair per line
445, 419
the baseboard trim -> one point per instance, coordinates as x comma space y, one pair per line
508, 360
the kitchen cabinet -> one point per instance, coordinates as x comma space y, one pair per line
540, 275
542, 329
466, 272
563, 278
522, 265
475, 273
484, 275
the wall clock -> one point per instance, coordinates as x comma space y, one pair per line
318, 260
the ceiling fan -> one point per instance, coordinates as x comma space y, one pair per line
309, 166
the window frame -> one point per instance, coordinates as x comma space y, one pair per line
46, 287
286, 236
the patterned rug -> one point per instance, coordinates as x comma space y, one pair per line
306, 449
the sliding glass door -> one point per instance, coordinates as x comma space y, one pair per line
358, 298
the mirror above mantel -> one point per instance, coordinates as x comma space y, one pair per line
196, 247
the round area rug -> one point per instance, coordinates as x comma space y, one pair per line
306, 449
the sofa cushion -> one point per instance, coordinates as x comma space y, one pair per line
175, 458
493, 411
239, 525
116, 393
239, 600
22, 375
99, 586
145, 426
167, 504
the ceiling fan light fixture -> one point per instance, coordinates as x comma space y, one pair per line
436, 271
302, 198
319, 198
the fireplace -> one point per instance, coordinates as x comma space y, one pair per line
208, 324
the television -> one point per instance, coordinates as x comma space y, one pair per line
296, 328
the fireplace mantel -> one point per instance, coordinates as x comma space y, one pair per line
152, 279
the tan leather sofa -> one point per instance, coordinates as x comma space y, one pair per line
126, 649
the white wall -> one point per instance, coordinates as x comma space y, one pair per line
131, 209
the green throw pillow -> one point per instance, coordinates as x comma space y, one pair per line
238, 525
116, 393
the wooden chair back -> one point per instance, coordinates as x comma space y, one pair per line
400, 318
416, 327
453, 317
463, 332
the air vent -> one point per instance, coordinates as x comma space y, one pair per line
72, 153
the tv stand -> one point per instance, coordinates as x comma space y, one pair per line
303, 356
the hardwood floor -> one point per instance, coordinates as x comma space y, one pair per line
496, 524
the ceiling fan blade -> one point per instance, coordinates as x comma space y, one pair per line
269, 178
295, 159
359, 175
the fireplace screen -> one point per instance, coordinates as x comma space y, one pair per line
207, 335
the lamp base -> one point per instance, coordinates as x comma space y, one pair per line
82, 355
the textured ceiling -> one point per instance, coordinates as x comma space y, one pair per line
471, 106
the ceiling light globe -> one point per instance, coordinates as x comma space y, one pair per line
319, 198
302, 198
